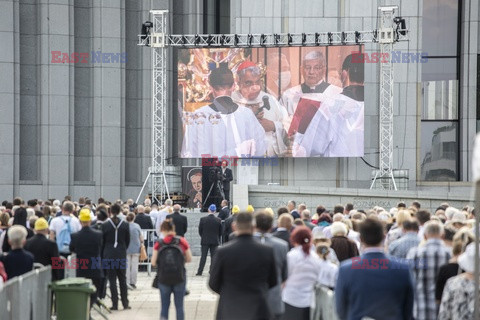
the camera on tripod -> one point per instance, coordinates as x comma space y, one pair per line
216, 175
215, 192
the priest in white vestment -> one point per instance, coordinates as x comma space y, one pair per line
269, 113
313, 72
222, 128
337, 129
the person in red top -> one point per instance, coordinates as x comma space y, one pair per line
168, 231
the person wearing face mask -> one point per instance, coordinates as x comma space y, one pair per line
269, 113
313, 72
278, 74
337, 129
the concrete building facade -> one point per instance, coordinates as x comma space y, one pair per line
84, 128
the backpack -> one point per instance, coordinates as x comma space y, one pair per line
64, 237
170, 262
3, 273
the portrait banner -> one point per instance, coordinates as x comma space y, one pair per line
192, 186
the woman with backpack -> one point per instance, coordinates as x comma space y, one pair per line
170, 255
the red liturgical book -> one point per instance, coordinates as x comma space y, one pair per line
304, 113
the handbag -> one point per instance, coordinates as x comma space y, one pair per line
155, 282
143, 253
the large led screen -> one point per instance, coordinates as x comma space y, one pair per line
271, 102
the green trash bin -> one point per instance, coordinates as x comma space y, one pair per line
72, 298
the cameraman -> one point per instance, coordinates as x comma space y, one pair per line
227, 178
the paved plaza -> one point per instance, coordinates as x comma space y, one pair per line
200, 304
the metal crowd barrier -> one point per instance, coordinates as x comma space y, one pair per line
149, 239
324, 304
27, 296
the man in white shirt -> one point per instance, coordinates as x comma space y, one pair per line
222, 128
154, 213
162, 214
57, 223
269, 113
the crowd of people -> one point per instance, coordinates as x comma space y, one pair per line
402, 263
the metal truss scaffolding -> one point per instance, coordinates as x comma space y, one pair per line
156, 173
386, 39
158, 40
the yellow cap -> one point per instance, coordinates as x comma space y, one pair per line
84, 215
235, 209
250, 209
41, 224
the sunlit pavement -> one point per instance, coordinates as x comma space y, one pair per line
200, 304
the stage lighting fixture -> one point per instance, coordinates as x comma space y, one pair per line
210, 40
263, 39
146, 26
344, 37
317, 38
357, 37
304, 39
330, 38
223, 40
375, 36
290, 39
235, 40
276, 38
401, 25
197, 40
184, 40
250, 39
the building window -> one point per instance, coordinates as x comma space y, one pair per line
134, 105
439, 150
29, 138
216, 16
83, 102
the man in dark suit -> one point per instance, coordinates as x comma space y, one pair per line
242, 273
263, 225
388, 282
292, 207
87, 244
116, 238
227, 178
179, 221
227, 227
44, 250
225, 211
210, 230
143, 220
